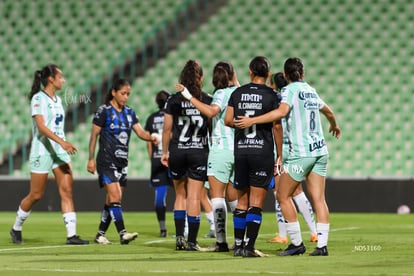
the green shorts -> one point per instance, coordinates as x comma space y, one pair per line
44, 163
300, 167
221, 165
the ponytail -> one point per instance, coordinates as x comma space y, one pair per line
41, 78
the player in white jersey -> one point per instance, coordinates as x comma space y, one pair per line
277, 82
220, 170
49, 151
307, 153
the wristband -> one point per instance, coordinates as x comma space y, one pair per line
186, 94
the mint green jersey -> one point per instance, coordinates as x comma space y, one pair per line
222, 137
54, 118
302, 126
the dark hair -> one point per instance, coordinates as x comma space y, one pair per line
278, 80
223, 73
293, 69
41, 78
115, 86
260, 66
161, 98
191, 77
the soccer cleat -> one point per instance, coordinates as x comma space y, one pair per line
293, 250
193, 246
238, 251
210, 234
219, 247
323, 251
163, 233
313, 237
180, 243
16, 236
102, 240
127, 237
278, 239
76, 240
253, 253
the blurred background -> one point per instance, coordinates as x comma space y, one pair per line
359, 55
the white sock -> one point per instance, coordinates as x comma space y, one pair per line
220, 218
186, 227
293, 230
210, 218
305, 208
280, 220
21, 216
323, 233
233, 205
70, 222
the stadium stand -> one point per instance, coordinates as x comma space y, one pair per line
358, 55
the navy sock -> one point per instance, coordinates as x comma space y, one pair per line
239, 222
253, 222
179, 220
193, 227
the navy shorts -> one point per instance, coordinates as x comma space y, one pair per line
193, 165
253, 170
111, 174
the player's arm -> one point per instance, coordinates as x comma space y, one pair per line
95, 131
229, 116
166, 137
271, 116
149, 148
44, 130
144, 135
207, 110
329, 114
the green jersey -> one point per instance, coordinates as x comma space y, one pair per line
222, 137
302, 126
54, 118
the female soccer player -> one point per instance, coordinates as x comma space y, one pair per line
277, 82
49, 151
185, 152
220, 169
113, 123
160, 177
307, 156
254, 154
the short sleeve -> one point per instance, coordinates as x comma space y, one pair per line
99, 117
36, 105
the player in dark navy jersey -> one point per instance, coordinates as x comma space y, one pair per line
113, 123
185, 151
160, 176
254, 154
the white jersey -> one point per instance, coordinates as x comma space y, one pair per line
302, 126
222, 137
54, 118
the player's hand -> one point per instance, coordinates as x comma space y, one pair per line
91, 166
243, 122
336, 131
164, 159
155, 138
69, 148
184, 91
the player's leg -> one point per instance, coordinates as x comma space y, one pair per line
306, 210
281, 236
208, 210
217, 191
64, 180
37, 189
160, 207
180, 213
194, 194
239, 221
105, 221
316, 189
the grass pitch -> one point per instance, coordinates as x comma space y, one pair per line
359, 244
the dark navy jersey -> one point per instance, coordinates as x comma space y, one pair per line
190, 127
253, 100
155, 124
115, 134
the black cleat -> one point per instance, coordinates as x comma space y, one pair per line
323, 251
163, 233
180, 243
76, 240
193, 246
16, 236
238, 251
127, 237
253, 253
219, 247
293, 250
